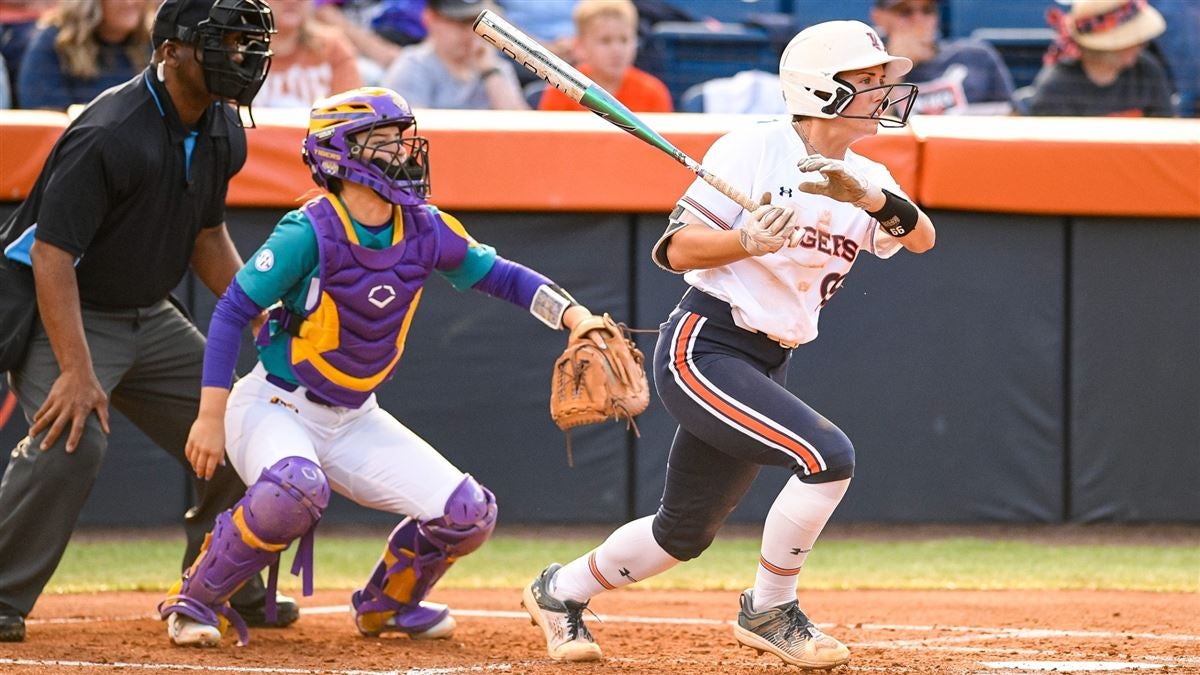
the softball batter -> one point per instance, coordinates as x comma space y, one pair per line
758, 282
347, 270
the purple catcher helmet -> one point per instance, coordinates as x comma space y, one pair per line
337, 145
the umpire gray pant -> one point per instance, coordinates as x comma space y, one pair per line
149, 362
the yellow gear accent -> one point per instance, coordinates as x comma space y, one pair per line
248, 536
309, 349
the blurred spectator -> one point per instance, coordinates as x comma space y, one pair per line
377, 29
452, 67
84, 47
311, 60
1098, 66
1180, 48
605, 46
961, 76
549, 22
5, 89
18, 23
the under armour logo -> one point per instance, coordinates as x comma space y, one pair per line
625, 573
785, 191
798, 551
381, 296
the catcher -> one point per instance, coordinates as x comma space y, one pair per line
344, 274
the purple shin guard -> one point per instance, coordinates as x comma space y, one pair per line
285, 503
416, 557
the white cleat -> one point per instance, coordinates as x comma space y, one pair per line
187, 632
561, 621
786, 632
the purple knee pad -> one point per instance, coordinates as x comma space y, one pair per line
285, 503
418, 554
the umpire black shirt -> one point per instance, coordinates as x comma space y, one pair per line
126, 189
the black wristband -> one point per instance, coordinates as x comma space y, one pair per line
494, 70
897, 216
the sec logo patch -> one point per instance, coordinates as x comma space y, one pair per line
265, 260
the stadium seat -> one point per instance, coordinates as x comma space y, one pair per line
963, 17
1021, 48
692, 52
734, 11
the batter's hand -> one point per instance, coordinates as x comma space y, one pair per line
840, 182
206, 445
72, 398
768, 228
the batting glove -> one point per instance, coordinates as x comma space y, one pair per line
769, 228
840, 182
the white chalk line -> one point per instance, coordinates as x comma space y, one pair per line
208, 668
938, 644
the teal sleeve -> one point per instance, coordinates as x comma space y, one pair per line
477, 262
282, 265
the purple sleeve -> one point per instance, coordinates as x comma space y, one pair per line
512, 281
233, 313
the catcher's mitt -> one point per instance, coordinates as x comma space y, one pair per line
599, 376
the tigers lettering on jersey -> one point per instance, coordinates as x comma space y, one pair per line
832, 244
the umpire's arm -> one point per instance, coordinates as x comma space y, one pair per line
215, 259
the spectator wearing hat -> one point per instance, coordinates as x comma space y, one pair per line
452, 67
1098, 66
954, 76
83, 48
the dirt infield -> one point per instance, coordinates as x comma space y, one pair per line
647, 632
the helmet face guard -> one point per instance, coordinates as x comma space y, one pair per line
892, 112
235, 27
340, 145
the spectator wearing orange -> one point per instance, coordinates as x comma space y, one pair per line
84, 47
1099, 68
311, 59
605, 48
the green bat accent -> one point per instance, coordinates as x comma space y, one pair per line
603, 104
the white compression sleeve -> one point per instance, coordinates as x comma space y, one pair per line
793, 525
629, 554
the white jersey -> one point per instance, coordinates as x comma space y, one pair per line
781, 293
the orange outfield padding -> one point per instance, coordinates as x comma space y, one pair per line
26, 137
1097, 166
550, 161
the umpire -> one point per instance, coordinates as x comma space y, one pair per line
132, 193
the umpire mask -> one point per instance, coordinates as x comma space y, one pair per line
232, 39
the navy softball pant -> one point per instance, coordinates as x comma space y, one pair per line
724, 385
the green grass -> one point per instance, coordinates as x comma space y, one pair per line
509, 561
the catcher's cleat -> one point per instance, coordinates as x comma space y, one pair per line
561, 621
787, 633
426, 621
187, 632
255, 616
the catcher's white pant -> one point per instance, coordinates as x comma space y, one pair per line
369, 456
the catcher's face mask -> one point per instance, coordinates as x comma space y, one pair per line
369, 136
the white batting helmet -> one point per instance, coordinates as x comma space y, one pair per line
810, 64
